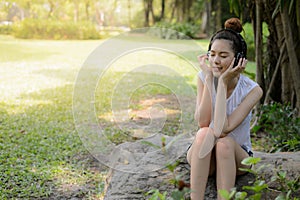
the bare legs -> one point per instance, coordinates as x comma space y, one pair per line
199, 167
226, 172
225, 158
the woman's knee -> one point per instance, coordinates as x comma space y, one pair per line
225, 147
200, 136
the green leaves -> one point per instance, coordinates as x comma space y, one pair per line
251, 161
155, 195
281, 127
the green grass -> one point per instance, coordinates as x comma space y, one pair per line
41, 153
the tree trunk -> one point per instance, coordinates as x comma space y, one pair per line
293, 59
218, 15
208, 19
189, 13
174, 8
147, 11
76, 11
259, 46
129, 13
162, 12
274, 75
151, 10
87, 13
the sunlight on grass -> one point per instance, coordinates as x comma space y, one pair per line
36, 123
41, 154
78, 181
139, 76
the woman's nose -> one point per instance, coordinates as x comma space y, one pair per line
216, 59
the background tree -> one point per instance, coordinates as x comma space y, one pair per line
278, 71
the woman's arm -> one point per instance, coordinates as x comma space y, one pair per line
204, 101
224, 124
220, 116
203, 110
241, 112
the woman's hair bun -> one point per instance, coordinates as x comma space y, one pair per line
234, 24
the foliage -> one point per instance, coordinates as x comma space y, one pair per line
175, 194
186, 29
249, 38
286, 187
5, 29
282, 126
50, 29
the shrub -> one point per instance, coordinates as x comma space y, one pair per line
5, 29
177, 30
50, 29
287, 187
281, 126
249, 38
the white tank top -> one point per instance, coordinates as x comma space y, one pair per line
241, 134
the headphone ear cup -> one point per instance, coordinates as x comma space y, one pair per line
238, 56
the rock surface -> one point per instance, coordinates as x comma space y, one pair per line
122, 184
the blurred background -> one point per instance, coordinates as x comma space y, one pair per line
43, 44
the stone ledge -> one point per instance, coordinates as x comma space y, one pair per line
124, 185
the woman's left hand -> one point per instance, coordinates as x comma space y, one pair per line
233, 72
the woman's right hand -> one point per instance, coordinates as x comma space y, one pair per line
203, 64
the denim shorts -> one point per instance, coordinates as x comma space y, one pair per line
249, 152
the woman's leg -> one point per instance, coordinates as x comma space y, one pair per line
229, 155
200, 168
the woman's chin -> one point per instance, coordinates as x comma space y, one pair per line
216, 74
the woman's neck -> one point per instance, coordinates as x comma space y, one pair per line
230, 86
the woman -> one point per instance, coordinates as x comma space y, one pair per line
225, 99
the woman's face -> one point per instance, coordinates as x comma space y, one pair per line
221, 56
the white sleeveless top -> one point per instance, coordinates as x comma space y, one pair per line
241, 134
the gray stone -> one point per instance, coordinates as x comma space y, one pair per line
122, 184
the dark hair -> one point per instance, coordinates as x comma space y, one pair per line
233, 28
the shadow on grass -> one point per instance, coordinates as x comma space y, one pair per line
42, 155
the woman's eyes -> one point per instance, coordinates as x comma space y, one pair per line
222, 56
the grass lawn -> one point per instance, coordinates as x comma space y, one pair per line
41, 153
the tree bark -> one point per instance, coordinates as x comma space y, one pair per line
146, 11
151, 10
293, 59
218, 15
208, 19
259, 46
272, 83
162, 13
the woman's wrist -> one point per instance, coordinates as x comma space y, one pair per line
208, 77
222, 82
